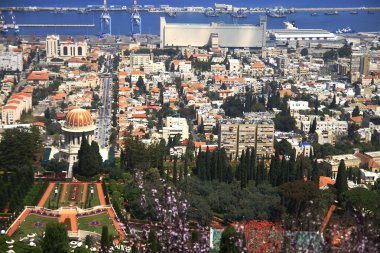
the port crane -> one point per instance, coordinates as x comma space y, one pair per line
135, 19
15, 26
105, 21
3, 23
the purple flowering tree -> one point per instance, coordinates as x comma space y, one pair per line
172, 227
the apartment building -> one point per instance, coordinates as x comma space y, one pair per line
11, 61
52, 46
139, 60
236, 135
175, 126
18, 103
335, 126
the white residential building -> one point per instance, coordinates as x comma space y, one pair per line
298, 105
11, 61
175, 126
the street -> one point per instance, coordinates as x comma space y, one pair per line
104, 114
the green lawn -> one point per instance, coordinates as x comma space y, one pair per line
95, 201
84, 223
27, 226
68, 201
53, 203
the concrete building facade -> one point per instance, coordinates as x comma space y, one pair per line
236, 135
199, 35
11, 61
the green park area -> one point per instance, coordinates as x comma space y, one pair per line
32, 224
94, 223
54, 200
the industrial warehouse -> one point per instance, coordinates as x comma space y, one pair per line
214, 34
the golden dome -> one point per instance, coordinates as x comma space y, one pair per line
78, 118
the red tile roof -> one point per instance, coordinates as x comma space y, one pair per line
38, 75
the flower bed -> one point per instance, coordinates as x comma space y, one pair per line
74, 192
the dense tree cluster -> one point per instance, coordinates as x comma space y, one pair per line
90, 161
20, 151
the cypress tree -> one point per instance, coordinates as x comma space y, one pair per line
315, 173
229, 174
299, 172
316, 106
253, 164
96, 155
341, 184
105, 239
247, 167
242, 170
153, 244
208, 164
228, 241
175, 170
185, 166
180, 173
313, 126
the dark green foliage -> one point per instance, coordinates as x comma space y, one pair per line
213, 166
19, 147
57, 166
333, 104
315, 173
42, 93
56, 239
233, 107
345, 51
228, 241
313, 126
153, 243
105, 240
175, 171
364, 201
297, 195
89, 160
304, 52
330, 55
284, 121
356, 112
341, 184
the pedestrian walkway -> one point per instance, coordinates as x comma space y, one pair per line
63, 193
100, 194
85, 185
116, 223
18, 221
70, 214
46, 195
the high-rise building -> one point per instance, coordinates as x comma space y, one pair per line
52, 46
236, 135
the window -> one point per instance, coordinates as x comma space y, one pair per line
65, 51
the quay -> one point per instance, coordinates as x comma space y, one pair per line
181, 9
11, 26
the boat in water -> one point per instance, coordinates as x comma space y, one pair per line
58, 11
314, 14
331, 13
276, 13
238, 14
354, 12
211, 14
345, 30
290, 25
172, 14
